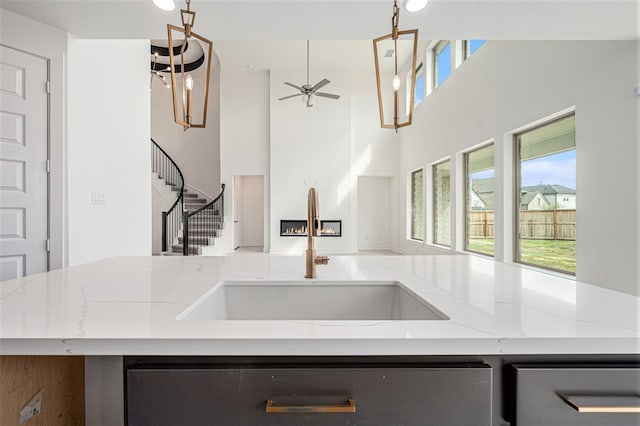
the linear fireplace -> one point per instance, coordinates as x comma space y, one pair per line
298, 228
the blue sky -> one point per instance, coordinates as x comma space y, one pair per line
557, 169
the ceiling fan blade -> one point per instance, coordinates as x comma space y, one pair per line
293, 85
290, 96
320, 84
327, 95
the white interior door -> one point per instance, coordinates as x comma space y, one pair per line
23, 164
252, 211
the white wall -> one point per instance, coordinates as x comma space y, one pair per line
249, 108
108, 148
252, 211
374, 151
244, 138
374, 212
311, 147
507, 85
196, 151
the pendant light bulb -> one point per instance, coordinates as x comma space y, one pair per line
396, 83
167, 5
188, 82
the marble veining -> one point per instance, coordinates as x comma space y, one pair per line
129, 305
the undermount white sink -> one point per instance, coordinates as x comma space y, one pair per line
311, 300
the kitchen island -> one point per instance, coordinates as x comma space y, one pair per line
122, 311
129, 305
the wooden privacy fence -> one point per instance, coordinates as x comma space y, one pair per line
534, 224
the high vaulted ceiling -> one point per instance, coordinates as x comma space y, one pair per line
343, 19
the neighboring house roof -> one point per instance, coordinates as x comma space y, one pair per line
483, 188
549, 189
488, 199
477, 203
528, 197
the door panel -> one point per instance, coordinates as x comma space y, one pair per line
23, 156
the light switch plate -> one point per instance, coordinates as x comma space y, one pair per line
97, 198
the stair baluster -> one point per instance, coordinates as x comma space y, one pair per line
167, 169
202, 225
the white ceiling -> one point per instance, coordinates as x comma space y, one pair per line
343, 19
341, 31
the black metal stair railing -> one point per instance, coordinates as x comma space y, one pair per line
168, 170
200, 227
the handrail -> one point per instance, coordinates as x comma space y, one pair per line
220, 196
166, 168
210, 218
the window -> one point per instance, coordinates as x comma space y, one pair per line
419, 90
470, 46
441, 203
417, 205
546, 170
442, 62
479, 212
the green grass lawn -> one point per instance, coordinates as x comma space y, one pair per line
556, 254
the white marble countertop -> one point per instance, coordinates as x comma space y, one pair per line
128, 306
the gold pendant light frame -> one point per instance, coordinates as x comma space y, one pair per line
188, 18
394, 35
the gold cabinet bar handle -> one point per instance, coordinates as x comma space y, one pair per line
348, 407
603, 403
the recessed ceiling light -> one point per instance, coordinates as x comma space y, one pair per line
415, 5
165, 4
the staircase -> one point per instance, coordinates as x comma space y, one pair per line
191, 217
200, 234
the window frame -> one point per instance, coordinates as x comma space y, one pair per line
517, 185
434, 212
466, 48
411, 205
420, 68
465, 169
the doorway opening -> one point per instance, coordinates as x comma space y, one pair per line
248, 212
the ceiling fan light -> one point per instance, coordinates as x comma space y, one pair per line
167, 5
415, 5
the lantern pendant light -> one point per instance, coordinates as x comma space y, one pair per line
389, 87
185, 92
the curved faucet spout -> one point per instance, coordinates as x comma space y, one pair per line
313, 230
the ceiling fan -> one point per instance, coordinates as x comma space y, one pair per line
307, 91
